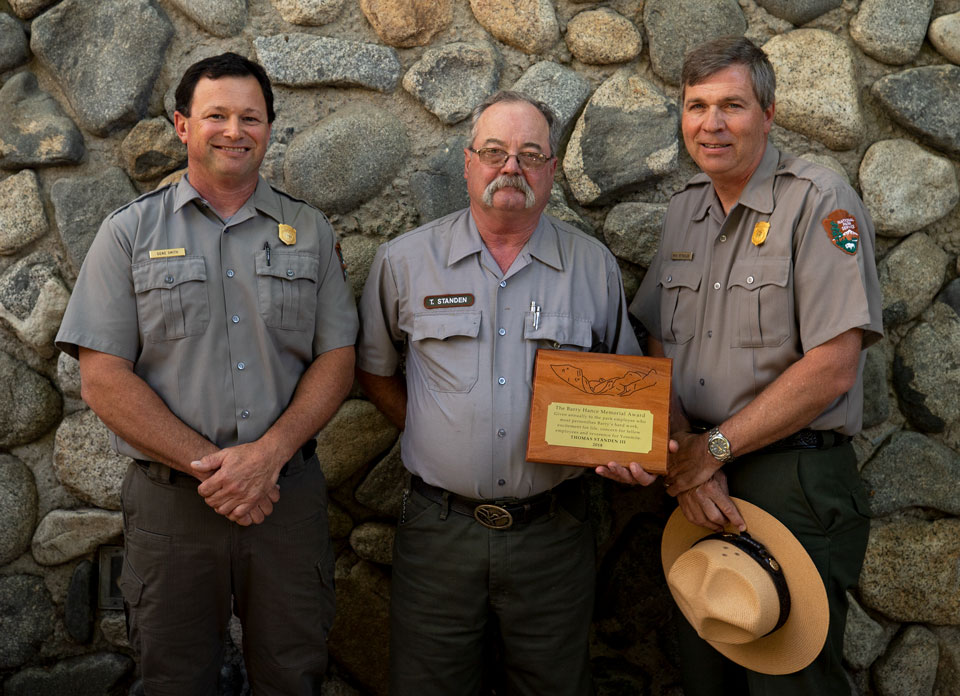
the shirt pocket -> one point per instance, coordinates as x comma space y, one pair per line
555, 332
172, 297
448, 348
760, 299
287, 289
680, 285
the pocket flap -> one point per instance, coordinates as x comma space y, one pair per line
288, 266
755, 273
443, 325
167, 273
562, 329
130, 584
680, 276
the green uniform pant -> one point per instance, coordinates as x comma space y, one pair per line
453, 579
818, 496
183, 563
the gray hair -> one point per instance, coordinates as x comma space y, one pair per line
713, 56
509, 96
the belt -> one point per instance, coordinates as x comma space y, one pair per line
501, 513
807, 439
164, 474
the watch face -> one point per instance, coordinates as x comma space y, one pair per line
719, 447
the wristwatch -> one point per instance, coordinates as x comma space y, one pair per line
719, 446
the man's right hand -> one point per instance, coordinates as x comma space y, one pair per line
709, 505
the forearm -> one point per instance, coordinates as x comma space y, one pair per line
796, 397
319, 393
389, 394
134, 411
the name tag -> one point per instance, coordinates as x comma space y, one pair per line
463, 299
166, 253
681, 256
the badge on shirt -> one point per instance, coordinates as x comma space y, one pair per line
760, 231
841, 227
167, 253
287, 234
681, 256
460, 299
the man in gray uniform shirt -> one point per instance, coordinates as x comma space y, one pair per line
764, 292
453, 299
215, 329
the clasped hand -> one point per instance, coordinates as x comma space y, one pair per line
239, 483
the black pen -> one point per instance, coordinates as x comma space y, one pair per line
266, 248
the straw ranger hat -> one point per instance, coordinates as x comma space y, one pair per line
756, 597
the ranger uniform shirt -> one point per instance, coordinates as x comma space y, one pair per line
736, 299
220, 318
436, 297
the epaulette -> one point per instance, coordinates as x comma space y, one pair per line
142, 197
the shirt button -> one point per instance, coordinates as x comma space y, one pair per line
235, 319
716, 286
501, 433
749, 280
502, 332
289, 273
503, 283
723, 237
701, 382
502, 380
709, 334
501, 482
244, 413
168, 279
669, 278
241, 366
229, 273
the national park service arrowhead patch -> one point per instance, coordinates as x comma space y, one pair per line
841, 227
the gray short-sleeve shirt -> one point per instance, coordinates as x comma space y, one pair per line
437, 299
221, 319
736, 299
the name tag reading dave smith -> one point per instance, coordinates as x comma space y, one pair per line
592, 408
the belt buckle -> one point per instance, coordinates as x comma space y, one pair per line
493, 516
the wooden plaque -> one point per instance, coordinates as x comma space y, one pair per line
592, 408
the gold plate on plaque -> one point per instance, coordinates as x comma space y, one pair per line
592, 408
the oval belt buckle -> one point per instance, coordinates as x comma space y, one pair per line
493, 516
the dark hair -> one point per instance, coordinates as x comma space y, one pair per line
506, 95
713, 56
224, 65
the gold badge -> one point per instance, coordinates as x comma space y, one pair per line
760, 233
681, 256
167, 253
287, 234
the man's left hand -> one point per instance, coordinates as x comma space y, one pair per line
691, 463
242, 477
632, 474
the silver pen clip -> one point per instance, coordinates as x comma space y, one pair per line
536, 318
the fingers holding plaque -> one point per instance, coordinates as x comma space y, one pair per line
592, 408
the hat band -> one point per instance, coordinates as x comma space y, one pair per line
758, 552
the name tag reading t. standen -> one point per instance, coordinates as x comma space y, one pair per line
592, 408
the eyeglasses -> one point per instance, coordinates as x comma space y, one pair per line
495, 157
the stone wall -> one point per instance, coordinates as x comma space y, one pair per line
372, 97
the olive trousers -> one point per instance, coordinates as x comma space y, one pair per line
183, 563
818, 496
454, 579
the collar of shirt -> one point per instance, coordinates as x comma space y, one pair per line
543, 245
757, 194
263, 199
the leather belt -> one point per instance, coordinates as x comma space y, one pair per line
807, 439
500, 513
164, 474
